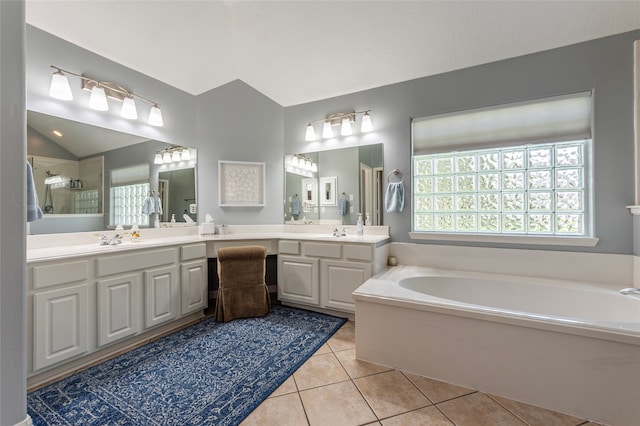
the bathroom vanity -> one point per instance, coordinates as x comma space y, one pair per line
88, 302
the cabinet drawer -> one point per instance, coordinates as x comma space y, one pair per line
362, 252
213, 248
135, 262
195, 251
59, 273
289, 247
322, 250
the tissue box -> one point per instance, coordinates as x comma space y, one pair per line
207, 228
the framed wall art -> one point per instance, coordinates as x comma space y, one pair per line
241, 184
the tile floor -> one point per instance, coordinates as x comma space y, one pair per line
333, 388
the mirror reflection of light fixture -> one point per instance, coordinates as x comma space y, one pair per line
100, 90
344, 119
300, 164
173, 154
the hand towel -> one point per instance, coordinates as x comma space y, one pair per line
342, 205
33, 210
295, 206
158, 203
394, 198
149, 206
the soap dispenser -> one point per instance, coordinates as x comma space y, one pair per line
359, 226
135, 233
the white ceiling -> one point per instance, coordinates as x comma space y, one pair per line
300, 51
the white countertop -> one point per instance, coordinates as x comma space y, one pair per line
61, 246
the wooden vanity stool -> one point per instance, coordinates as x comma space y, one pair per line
243, 292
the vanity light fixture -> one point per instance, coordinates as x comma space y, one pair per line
344, 119
173, 154
300, 164
100, 90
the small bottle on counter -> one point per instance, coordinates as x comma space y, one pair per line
173, 218
359, 225
135, 233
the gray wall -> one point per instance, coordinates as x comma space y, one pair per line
604, 65
13, 322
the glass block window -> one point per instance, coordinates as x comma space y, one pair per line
529, 189
126, 204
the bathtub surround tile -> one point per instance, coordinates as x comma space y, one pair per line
536, 416
286, 408
478, 409
320, 370
436, 390
425, 416
356, 368
390, 393
336, 404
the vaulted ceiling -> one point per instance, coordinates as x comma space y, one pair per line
300, 51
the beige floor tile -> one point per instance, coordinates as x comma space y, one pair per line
288, 386
536, 416
281, 410
356, 368
324, 349
477, 409
344, 338
320, 370
390, 393
437, 391
337, 404
425, 416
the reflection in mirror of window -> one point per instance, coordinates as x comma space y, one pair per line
129, 190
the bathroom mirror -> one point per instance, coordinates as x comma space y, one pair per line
87, 154
177, 189
343, 182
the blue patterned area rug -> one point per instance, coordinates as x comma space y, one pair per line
207, 374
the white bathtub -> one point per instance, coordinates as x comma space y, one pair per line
567, 346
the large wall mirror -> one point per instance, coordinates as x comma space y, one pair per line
333, 186
73, 175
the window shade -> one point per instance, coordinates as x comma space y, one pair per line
130, 175
556, 119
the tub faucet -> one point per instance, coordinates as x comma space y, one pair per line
630, 290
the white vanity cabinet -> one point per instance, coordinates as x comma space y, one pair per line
323, 274
85, 307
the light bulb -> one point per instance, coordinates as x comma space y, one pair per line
129, 108
345, 128
366, 123
158, 159
175, 156
98, 99
155, 116
327, 131
166, 157
185, 155
310, 135
60, 88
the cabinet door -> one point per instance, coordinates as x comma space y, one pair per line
338, 280
298, 280
161, 295
60, 325
193, 285
118, 308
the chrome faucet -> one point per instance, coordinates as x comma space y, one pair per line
337, 233
630, 290
106, 241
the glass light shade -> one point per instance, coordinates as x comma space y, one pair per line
307, 165
185, 155
155, 116
345, 128
294, 161
314, 167
166, 157
129, 108
366, 126
98, 99
327, 131
175, 156
158, 159
310, 135
60, 88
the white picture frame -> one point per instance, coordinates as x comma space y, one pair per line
309, 192
241, 184
328, 191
